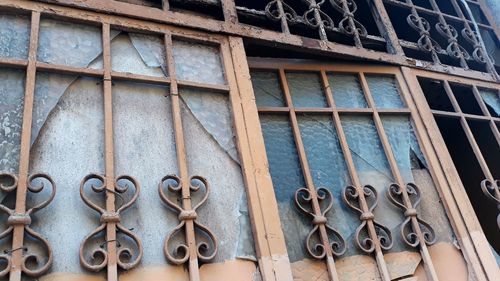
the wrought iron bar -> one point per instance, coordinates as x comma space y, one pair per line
491, 188
183, 187
422, 26
414, 231
316, 18
19, 258
364, 201
109, 255
349, 25
454, 49
335, 241
18, 223
279, 10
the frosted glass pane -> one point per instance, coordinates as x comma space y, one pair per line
371, 163
329, 170
346, 89
198, 63
68, 43
492, 100
385, 91
306, 89
287, 177
139, 54
69, 146
14, 36
11, 117
267, 88
404, 144
207, 123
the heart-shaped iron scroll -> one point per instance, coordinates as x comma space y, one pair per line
411, 231
171, 187
315, 243
492, 191
99, 257
355, 200
19, 224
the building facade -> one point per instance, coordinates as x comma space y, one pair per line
271, 140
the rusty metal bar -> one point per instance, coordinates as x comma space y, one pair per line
24, 184
415, 231
111, 251
356, 197
309, 195
190, 251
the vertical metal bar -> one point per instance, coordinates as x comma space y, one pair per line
229, 11
166, 5
194, 273
332, 271
24, 158
424, 252
379, 255
112, 270
385, 26
468, 132
284, 23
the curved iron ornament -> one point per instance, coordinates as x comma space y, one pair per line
454, 49
187, 215
352, 198
492, 191
278, 9
110, 223
304, 202
413, 229
23, 221
478, 54
349, 25
315, 17
422, 26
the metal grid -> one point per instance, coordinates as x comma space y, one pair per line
416, 232
109, 185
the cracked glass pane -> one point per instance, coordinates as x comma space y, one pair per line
14, 36
371, 163
11, 118
145, 149
267, 88
68, 43
306, 89
492, 100
287, 177
385, 91
346, 89
213, 111
404, 145
139, 54
328, 169
69, 146
207, 124
198, 63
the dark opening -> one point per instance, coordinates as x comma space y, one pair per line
471, 175
465, 98
435, 94
488, 144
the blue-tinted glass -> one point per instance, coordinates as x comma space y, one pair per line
306, 89
492, 100
385, 91
347, 91
14, 36
267, 88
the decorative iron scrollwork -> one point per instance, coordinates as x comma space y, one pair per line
349, 25
315, 17
478, 54
354, 200
422, 26
453, 49
492, 191
205, 250
412, 232
278, 9
19, 224
304, 201
110, 227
